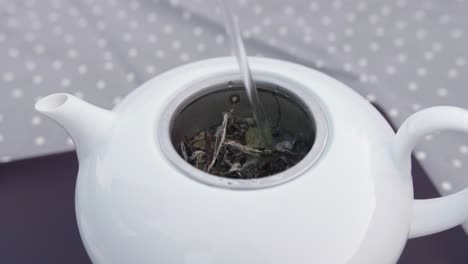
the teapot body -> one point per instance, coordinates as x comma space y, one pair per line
135, 205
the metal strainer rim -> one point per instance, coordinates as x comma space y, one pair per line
303, 96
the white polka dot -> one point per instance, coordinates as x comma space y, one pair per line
152, 38
13, 52
380, 32
331, 36
416, 107
8, 76
201, 47
460, 61
82, 23
444, 19
100, 25
127, 37
347, 48
219, 39
57, 30
453, 73
393, 112
160, 54
107, 55
70, 141
401, 57
401, 3
421, 71
176, 44
16, 93
419, 15
442, 92
421, 34
456, 163
463, 149
456, 33
2, 138
184, 56
362, 62
174, 3
36, 120
197, 31
65, 82
283, 31
267, 21
326, 20
373, 79
348, 67
399, 42
421, 155
100, 84
390, 70
101, 43
37, 79
30, 65
428, 55
186, 15
289, 10
331, 49
150, 69
400, 24
319, 63
314, 6
429, 137
363, 78
337, 4
82, 69
132, 52
151, 17
361, 6
117, 100
373, 19
39, 49
168, 29
2, 37
349, 32
437, 46
134, 24
446, 186
413, 86
371, 97
29, 36
300, 21
72, 54
130, 77
79, 95
39, 141
5, 159
108, 66
374, 46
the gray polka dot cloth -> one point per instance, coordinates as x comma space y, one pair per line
405, 55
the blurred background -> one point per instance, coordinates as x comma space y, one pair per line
401, 55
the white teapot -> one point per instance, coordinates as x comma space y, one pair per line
350, 200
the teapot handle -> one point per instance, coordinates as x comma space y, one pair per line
438, 214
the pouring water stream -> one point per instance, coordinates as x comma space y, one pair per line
233, 31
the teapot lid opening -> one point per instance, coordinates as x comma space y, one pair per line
200, 106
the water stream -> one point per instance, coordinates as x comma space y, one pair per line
233, 31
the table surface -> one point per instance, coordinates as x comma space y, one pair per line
38, 225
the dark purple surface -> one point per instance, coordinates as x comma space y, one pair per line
37, 217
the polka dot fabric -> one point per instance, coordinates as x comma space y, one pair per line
404, 55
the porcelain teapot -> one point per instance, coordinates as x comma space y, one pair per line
350, 200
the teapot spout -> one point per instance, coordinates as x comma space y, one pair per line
86, 123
